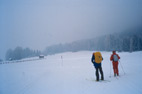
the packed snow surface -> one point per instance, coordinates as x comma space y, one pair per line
72, 73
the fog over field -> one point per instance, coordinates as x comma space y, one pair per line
38, 24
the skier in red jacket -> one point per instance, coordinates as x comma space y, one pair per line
114, 58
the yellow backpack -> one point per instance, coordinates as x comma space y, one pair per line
98, 57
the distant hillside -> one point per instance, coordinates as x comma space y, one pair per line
129, 40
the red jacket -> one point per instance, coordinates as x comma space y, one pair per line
111, 58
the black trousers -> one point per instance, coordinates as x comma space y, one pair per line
99, 69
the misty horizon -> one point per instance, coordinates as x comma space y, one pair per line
37, 24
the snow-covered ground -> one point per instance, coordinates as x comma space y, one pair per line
71, 73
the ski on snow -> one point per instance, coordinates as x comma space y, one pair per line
98, 81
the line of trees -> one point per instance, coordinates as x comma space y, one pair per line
19, 53
130, 40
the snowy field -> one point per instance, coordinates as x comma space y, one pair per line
71, 73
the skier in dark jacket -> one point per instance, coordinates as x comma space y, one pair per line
97, 65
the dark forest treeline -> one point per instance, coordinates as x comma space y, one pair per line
130, 40
19, 53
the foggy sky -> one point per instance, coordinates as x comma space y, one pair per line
40, 23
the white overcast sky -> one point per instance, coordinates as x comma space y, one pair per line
40, 23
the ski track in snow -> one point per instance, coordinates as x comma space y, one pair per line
67, 75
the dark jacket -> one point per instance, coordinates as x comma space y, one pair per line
95, 64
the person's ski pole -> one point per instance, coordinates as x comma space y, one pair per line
122, 67
110, 70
